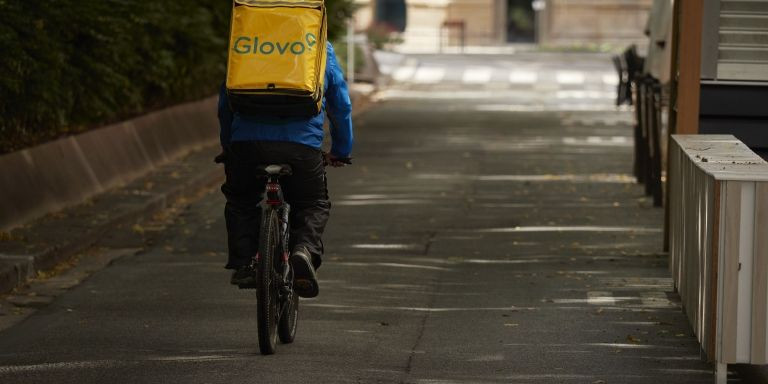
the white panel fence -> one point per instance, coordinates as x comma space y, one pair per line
718, 199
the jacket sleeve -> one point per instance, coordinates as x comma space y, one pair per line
225, 117
338, 107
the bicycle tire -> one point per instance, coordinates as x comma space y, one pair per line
289, 320
266, 289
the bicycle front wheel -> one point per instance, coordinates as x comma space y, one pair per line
289, 319
267, 288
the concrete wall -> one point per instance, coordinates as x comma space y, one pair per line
50, 176
422, 31
480, 19
577, 22
425, 18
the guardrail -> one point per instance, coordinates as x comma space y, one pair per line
718, 196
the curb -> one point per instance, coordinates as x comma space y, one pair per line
60, 173
15, 270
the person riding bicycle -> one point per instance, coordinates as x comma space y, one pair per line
248, 141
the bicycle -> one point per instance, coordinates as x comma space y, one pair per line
278, 305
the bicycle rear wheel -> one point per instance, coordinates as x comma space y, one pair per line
267, 314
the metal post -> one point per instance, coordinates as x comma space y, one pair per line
350, 51
538, 7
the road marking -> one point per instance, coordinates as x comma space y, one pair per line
610, 79
477, 75
570, 77
579, 94
523, 77
404, 73
600, 298
429, 75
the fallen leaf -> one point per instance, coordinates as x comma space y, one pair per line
633, 339
138, 229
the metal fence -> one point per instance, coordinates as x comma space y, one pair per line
648, 97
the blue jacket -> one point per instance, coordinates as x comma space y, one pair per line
336, 104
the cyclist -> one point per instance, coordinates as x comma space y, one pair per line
248, 141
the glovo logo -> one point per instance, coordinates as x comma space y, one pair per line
246, 45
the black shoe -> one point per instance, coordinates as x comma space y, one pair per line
245, 277
304, 279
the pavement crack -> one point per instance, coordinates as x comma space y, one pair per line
414, 348
422, 329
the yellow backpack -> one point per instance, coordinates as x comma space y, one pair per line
277, 53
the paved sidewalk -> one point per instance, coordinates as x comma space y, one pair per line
466, 244
463, 248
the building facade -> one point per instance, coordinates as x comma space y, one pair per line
432, 24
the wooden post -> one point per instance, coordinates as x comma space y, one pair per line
686, 78
688, 71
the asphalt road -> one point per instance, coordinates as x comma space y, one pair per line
488, 232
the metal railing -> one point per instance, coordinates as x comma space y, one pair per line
648, 136
646, 94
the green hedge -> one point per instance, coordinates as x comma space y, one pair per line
70, 65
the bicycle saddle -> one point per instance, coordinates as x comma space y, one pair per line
276, 169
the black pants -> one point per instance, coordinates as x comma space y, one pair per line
306, 191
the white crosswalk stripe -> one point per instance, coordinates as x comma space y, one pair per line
429, 75
610, 79
477, 75
579, 94
570, 77
523, 77
404, 73
570, 85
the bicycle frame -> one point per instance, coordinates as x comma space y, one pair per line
273, 199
